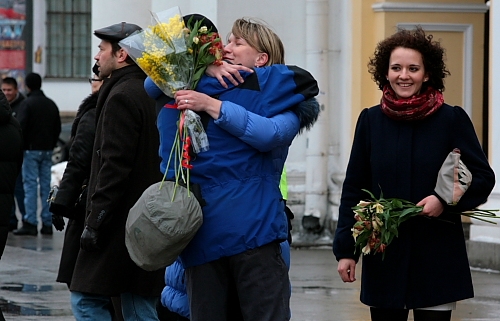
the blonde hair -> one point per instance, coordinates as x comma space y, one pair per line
260, 37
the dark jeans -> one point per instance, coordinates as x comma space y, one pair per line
402, 315
258, 278
19, 197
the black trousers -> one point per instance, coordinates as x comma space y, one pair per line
378, 314
256, 280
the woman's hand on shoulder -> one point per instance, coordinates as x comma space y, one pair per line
230, 71
347, 270
432, 206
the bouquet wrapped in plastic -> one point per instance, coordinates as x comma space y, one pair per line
175, 56
172, 54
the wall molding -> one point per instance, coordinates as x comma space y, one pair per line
429, 7
467, 30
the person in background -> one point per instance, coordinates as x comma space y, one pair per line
70, 199
14, 97
124, 163
399, 147
11, 92
11, 159
238, 242
41, 124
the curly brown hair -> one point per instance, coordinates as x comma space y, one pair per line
431, 51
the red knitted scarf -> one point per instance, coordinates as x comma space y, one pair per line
416, 107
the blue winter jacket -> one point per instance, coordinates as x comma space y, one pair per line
239, 175
174, 295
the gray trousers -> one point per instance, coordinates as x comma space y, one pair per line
251, 286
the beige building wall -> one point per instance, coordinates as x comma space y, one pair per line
457, 25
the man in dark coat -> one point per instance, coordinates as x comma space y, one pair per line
41, 124
11, 159
125, 162
14, 97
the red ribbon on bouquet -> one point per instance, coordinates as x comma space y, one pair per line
186, 158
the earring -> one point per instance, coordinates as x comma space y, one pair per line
425, 79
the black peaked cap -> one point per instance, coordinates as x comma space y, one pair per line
116, 32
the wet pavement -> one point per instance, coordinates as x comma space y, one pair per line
28, 290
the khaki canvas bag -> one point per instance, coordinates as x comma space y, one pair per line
159, 226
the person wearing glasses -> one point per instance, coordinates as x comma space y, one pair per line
72, 188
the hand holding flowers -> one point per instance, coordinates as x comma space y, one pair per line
193, 100
378, 220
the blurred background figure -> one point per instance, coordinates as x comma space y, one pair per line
41, 125
14, 97
70, 199
11, 159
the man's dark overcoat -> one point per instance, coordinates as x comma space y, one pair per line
426, 265
125, 162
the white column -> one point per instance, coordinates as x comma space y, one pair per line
485, 232
340, 101
317, 27
39, 35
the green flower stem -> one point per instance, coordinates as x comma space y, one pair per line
176, 140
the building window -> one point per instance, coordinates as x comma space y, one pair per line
68, 38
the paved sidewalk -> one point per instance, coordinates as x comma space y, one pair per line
28, 290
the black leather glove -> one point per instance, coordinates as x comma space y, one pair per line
59, 209
58, 222
88, 241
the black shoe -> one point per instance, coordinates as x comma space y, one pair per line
12, 227
46, 230
26, 229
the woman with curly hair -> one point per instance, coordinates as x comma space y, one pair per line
398, 148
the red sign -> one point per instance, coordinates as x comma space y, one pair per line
13, 59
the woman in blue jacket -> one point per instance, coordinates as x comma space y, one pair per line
250, 129
399, 147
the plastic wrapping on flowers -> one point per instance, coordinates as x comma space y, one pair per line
161, 51
175, 57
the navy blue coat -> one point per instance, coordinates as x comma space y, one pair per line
427, 264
